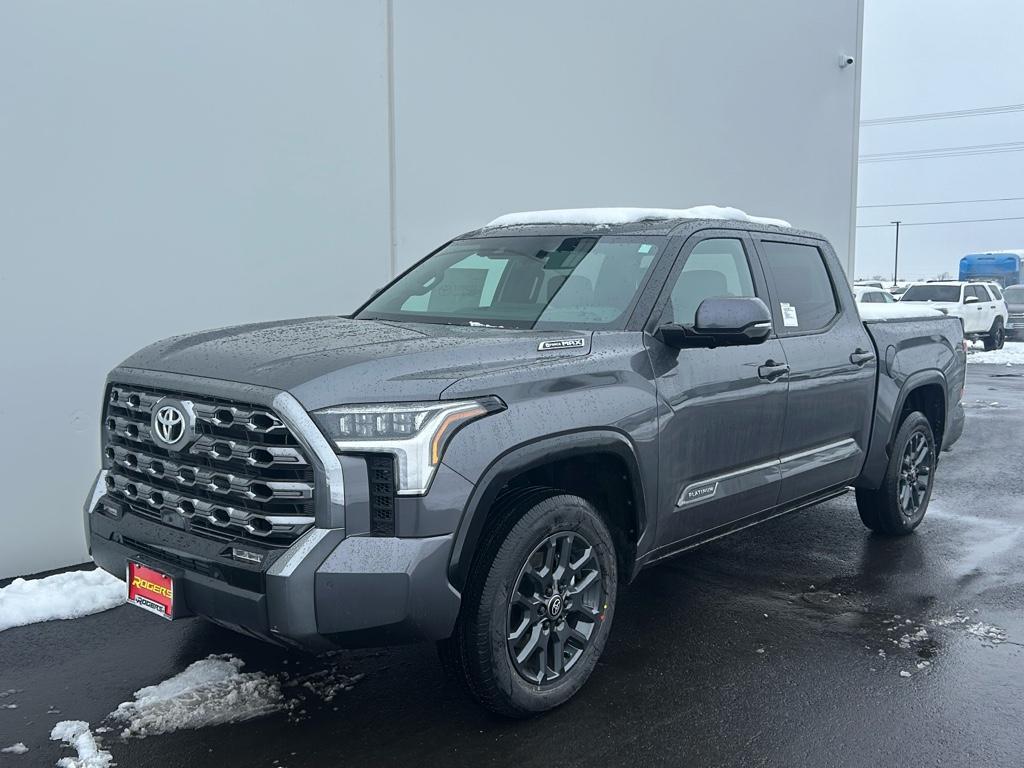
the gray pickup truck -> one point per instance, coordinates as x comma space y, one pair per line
513, 427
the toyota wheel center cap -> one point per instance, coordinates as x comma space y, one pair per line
555, 605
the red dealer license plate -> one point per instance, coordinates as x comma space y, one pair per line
151, 590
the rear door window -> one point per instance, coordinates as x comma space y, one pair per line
804, 291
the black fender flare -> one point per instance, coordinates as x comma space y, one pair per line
915, 381
526, 456
886, 424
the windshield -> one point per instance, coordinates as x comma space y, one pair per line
522, 282
1014, 295
932, 293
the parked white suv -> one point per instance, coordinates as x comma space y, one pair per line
979, 305
866, 294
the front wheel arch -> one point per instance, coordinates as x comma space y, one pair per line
520, 460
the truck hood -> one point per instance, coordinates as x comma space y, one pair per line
327, 361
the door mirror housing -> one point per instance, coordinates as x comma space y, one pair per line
971, 300
721, 322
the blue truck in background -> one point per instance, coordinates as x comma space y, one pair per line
1003, 267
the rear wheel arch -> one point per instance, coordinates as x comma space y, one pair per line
926, 392
600, 466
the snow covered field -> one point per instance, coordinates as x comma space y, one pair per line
63, 596
1011, 354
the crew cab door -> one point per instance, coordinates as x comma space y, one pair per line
832, 366
721, 409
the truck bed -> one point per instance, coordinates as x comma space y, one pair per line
913, 349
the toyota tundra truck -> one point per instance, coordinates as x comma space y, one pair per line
497, 440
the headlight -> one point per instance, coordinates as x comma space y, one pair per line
416, 433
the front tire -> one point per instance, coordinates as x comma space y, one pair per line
899, 505
538, 605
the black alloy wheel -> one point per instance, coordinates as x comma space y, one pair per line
899, 504
915, 475
555, 607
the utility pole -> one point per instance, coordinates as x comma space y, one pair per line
896, 257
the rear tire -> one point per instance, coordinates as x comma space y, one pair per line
996, 337
899, 505
543, 588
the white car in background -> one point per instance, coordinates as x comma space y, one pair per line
868, 294
979, 305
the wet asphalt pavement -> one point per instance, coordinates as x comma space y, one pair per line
760, 649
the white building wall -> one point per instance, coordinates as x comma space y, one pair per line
166, 168
602, 102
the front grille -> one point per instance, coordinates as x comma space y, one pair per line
245, 476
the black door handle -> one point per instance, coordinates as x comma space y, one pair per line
772, 370
861, 357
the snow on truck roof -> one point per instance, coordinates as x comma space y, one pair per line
611, 216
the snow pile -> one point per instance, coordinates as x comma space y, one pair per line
213, 691
907, 640
628, 216
63, 596
15, 749
896, 311
989, 633
1011, 354
76, 734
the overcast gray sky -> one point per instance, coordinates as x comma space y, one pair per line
932, 56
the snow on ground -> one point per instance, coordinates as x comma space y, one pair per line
76, 734
628, 216
15, 749
63, 596
990, 634
213, 691
1012, 353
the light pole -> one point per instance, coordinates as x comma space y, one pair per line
896, 256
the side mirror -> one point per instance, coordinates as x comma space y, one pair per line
722, 322
971, 300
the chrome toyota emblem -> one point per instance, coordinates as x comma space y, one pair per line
169, 424
173, 423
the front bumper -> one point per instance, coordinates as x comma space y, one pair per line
325, 592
